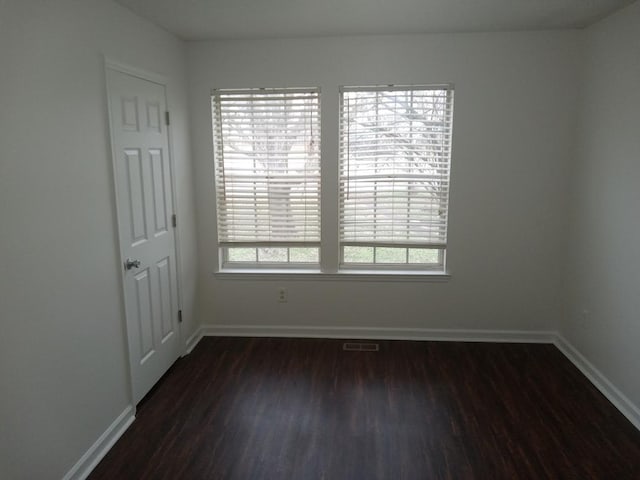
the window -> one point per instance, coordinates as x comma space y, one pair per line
267, 165
395, 156
391, 173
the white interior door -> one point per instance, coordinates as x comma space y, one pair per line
145, 213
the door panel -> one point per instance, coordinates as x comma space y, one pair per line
135, 192
164, 292
159, 193
143, 315
153, 117
145, 205
130, 114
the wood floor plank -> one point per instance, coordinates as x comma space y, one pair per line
246, 408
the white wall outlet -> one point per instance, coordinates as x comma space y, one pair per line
283, 295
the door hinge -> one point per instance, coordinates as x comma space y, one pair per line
174, 220
166, 118
179, 316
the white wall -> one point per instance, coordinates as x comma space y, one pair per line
604, 249
515, 106
63, 370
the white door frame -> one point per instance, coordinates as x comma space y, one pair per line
110, 64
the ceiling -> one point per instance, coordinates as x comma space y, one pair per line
222, 19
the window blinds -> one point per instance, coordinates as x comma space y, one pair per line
267, 161
395, 156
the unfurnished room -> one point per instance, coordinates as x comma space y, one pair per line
334, 240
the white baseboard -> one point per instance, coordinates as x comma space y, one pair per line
193, 340
379, 333
99, 449
602, 383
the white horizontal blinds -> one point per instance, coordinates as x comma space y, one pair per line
267, 158
395, 156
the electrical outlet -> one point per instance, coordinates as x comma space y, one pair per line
283, 296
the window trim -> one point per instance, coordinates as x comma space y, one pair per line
441, 266
339, 271
226, 264
341, 275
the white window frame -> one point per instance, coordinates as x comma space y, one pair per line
224, 246
330, 264
440, 266
223, 252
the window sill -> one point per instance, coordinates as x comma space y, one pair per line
344, 275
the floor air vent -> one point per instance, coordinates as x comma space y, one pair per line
360, 347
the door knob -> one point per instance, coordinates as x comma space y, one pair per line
129, 263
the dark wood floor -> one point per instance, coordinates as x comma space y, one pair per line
304, 409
